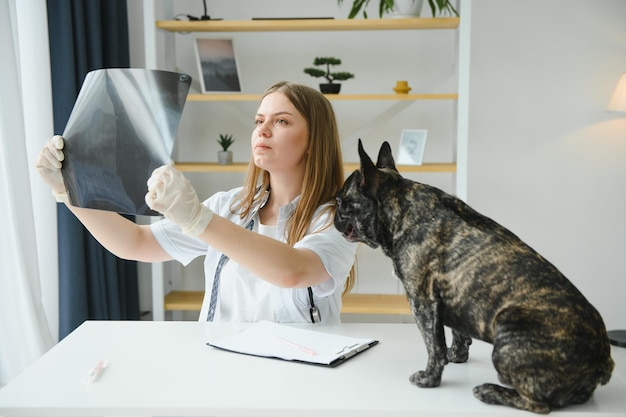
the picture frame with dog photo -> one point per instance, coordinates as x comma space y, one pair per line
412, 145
217, 65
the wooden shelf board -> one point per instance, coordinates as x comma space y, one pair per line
352, 303
438, 167
443, 167
375, 304
184, 300
407, 97
223, 97
331, 97
304, 25
211, 167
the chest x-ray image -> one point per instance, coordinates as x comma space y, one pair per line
123, 126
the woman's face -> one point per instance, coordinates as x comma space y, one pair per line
280, 138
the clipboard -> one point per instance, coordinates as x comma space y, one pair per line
279, 341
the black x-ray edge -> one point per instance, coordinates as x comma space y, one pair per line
122, 127
333, 364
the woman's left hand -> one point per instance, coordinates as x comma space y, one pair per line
171, 194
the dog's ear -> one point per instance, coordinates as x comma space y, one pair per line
366, 162
385, 159
370, 175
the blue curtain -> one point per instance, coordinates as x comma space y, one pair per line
93, 284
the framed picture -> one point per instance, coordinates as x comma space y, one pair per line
217, 66
412, 143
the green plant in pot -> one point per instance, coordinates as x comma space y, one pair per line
225, 157
331, 87
437, 7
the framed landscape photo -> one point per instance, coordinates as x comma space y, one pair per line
217, 65
412, 143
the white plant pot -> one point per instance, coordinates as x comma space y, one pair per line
224, 157
406, 8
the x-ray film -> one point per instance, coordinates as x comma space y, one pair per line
123, 126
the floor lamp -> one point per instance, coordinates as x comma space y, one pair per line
618, 104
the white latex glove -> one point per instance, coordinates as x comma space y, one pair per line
171, 194
48, 164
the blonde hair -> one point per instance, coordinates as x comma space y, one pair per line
324, 166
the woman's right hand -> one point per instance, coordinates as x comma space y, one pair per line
49, 163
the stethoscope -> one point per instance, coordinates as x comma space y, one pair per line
314, 312
316, 317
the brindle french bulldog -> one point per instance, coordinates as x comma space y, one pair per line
463, 270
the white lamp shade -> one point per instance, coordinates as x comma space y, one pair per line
618, 100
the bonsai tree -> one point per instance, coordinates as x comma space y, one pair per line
225, 141
437, 7
330, 87
330, 76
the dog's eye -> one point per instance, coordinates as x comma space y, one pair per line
338, 200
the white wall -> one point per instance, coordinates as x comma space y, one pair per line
546, 160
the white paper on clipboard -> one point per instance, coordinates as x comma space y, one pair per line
274, 340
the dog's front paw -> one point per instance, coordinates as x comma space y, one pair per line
459, 350
425, 379
458, 354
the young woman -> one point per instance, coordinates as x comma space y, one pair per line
272, 252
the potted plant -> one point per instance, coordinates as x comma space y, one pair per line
225, 157
330, 87
437, 7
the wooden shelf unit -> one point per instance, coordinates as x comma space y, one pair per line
352, 303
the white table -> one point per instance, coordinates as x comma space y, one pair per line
166, 369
